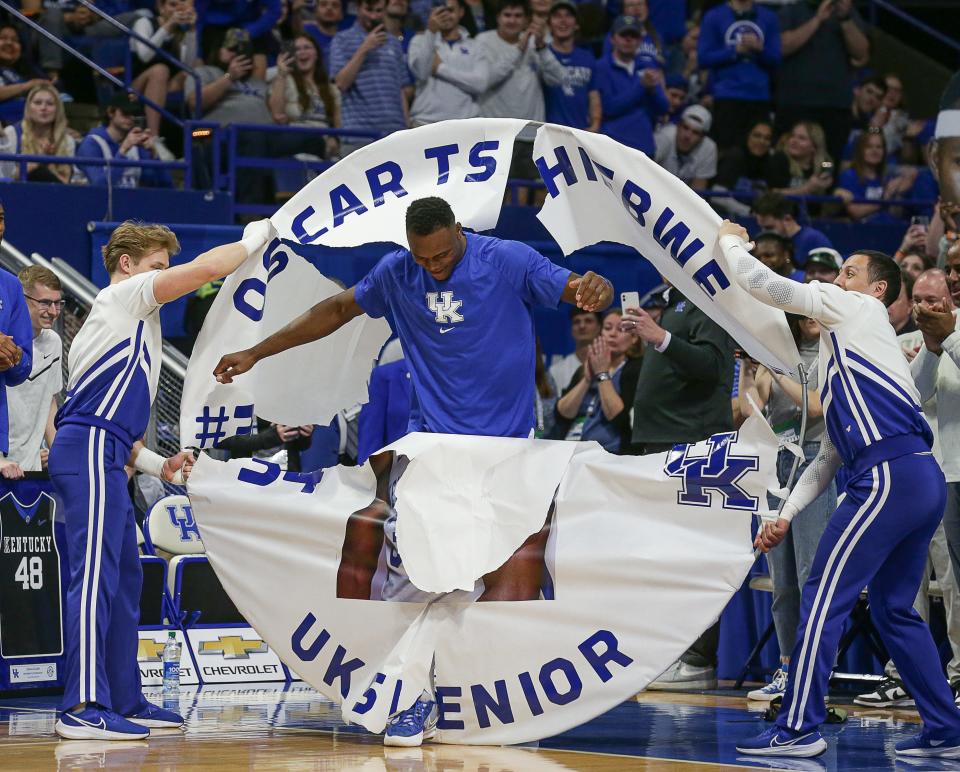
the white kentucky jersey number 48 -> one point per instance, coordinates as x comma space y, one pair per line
444, 307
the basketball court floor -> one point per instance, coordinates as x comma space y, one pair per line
292, 727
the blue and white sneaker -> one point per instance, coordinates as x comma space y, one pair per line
412, 726
776, 688
154, 717
924, 745
96, 723
777, 741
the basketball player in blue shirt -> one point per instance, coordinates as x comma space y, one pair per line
114, 366
892, 504
462, 306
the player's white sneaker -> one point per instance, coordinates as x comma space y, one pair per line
776, 688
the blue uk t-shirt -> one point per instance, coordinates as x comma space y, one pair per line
468, 340
569, 104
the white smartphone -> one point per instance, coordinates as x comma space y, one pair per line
629, 300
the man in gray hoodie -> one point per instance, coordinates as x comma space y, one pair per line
449, 70
518, 57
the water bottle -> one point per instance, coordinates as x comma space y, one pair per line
171, 663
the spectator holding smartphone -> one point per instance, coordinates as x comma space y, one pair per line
174, 31
446, 64
255, 17
301, 93
123, 136
369, 68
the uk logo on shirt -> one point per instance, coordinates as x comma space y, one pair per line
445, 309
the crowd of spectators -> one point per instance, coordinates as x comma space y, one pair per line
737, 96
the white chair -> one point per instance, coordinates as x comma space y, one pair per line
195, 592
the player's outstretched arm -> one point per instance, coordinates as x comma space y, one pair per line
591, 292
765, 285
325, 317
218, 262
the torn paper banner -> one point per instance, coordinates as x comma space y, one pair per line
599, 190
365, 196
632, 539
464, 508
304, 385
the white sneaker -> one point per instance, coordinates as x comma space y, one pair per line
680, 676
776, 688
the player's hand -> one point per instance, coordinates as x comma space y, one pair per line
729, 228
10, 470
232, 365
771, 534
594, 293
258, 234
10, 353
176, 469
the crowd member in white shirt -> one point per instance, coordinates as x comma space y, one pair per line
449, 71
33, 404
685, 150
936, 371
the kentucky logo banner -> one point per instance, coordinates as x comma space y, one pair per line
599, 190
628, 542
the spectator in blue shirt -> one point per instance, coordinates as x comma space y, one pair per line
632, 97
740, 47
399, 23
257, 17
121, 137
868, 179
16, 76
16, 340
370, 70
328, 22
775, 212
650, 52
575, 102
670, 19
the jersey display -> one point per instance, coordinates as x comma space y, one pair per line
30, 616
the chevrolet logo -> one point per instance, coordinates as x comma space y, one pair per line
149, 650
233, 647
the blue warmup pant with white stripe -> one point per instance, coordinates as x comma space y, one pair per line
878, 539
103, 598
